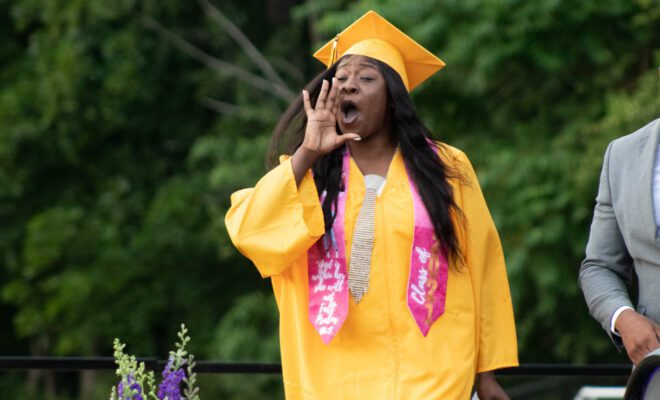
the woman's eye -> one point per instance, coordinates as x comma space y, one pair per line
366, 78
340, 78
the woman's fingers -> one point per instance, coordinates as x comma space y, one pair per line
327, 99
308, 107
331, 101
341, 139
320, 102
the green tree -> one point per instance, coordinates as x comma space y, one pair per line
125, 127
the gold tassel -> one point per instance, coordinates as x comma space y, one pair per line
333, 53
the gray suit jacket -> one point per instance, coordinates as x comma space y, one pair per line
623, 232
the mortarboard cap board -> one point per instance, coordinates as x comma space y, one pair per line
374, 36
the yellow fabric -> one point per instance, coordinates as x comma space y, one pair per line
383, 51
365, 37
379, 353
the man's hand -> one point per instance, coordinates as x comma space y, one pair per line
639, 334
488, 388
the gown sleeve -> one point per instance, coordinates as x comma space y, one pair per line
496, 330
274, 223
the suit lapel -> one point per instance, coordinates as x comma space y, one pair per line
646, 220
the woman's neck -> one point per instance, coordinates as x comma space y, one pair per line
373, 156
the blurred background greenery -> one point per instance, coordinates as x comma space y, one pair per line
126, 125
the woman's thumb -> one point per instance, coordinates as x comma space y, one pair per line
349, 136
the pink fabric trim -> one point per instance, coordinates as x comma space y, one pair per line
327, 278
427, 282
328, 286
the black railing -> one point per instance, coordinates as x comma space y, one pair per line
215, 367
108, 363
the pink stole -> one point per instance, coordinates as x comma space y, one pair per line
328, 286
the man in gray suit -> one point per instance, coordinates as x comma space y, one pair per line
625, 239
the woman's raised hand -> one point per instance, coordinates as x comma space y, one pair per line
321, 132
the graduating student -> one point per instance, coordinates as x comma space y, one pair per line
386, 265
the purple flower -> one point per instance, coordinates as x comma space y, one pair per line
170, 388
135, 389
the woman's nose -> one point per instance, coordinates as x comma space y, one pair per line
348, 86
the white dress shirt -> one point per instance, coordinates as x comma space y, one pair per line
656, 191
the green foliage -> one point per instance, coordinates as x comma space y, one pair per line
256, 340
136, 382
256, 313
116, 169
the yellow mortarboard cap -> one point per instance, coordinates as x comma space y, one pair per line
374, 36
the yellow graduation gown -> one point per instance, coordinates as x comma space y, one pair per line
379, 352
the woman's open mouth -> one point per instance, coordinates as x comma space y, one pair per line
349, 112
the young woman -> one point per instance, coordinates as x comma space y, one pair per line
385, 262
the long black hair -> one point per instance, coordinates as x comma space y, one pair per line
419, 152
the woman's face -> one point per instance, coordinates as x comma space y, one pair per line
362, 97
